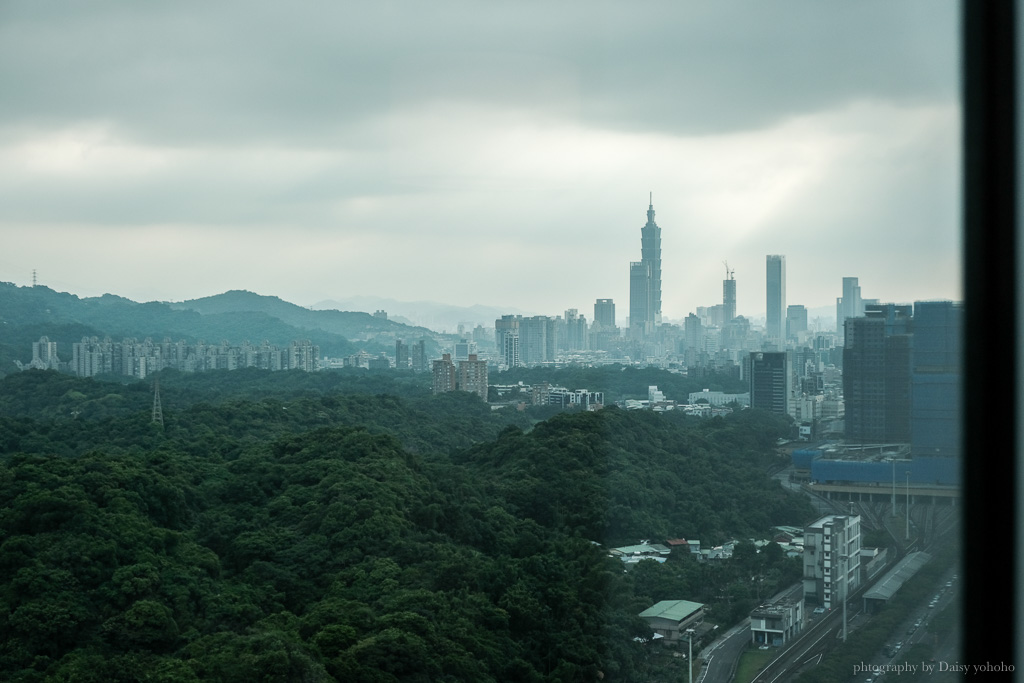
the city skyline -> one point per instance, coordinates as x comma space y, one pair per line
470, 155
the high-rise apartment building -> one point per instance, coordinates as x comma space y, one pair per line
693, 340
44, 355
603, 333
303, 355
419, 356
645, 280
604, 314
506, 328
472, 376
832, 559
771, 382
444, 374
401, 355
574, 334
537, 340
775, 287
510, 350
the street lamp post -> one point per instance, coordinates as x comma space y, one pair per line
845, 557
908, 505
893, 460
689, 659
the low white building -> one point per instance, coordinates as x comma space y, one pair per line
718, 398
777, 623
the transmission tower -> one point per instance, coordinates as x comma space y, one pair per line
158, 412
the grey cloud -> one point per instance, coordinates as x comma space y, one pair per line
234, 71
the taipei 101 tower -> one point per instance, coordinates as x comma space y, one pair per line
645, 280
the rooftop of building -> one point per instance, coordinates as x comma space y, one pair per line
674, 610
819, 523
774, 609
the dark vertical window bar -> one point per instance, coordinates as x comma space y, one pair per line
990, 294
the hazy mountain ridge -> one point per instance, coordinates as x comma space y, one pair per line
437, 316
27, 313
354, 325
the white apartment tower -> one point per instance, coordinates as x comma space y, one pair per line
831, 559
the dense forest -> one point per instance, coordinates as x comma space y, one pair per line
352, 527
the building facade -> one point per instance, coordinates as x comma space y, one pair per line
645, 280
472, 376
849, 305
93, 356
796, 321
831, 559
777, 623
935, 428
419, 356
506, 339
443, 372
775, 282
728, 297
876, 375
604, 313
770, 382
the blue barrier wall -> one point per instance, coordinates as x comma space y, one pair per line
925, 471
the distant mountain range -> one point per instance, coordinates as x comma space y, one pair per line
353, 325
436, 316
27, 313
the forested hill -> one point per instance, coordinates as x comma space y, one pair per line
330, 535
616, 475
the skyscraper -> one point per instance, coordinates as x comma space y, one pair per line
775, 325
506, 339
604, 313
444, 374
645, 279
419, 356
537, 340
575, 337
472, 376
876, 375
729, 295
796, 320
770, 382
401, 355
936, 382
849, 305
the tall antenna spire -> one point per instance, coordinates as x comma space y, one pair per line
158, 412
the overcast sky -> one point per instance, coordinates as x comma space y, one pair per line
480, 152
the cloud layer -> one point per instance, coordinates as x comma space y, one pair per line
470, 152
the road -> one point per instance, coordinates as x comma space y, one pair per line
721, 656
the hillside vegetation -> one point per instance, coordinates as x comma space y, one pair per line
310, 532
